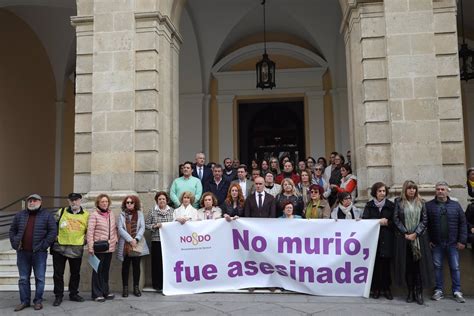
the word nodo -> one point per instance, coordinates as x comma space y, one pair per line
194, 238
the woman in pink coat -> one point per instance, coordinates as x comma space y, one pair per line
101, 229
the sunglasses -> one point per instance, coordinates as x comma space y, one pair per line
318, 169
312, 191
130, 202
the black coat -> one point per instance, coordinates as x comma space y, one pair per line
219, 191
386, 235
297, 201
400, 256
206, 176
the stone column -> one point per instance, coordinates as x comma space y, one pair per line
127, 98
316, 124
404, 93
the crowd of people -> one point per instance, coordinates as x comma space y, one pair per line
415, 236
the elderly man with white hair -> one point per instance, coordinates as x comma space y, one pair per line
448, 234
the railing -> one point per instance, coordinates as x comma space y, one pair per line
8, 211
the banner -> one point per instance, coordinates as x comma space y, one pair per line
319, 257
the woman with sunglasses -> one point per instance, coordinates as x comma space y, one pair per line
318, 178
345, 209
317, 207
132, 245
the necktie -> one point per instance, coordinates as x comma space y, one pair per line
259, 200
200, 173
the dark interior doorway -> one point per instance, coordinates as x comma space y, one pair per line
271, 129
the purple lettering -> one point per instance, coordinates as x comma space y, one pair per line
251, 268
361, 276
326, 243
289, 242
355, 245
235, 269
209, 272
343, 274
236, 238
324, 276
266, 268
178, 268
281, 270
262, 241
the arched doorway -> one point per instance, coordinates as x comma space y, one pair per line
271, 129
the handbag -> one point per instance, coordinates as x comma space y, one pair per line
102, 245
138, 249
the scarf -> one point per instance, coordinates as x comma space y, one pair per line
314, 210
160, 211
412, 219
380, 204
103, 212
131, 220
471, 183
346, 210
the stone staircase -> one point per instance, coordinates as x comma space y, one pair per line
9, 271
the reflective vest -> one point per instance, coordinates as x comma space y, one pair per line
72, 228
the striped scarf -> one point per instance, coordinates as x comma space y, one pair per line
131, 220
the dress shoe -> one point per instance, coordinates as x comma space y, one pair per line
57, 301
76, 298
38, 306
419, 296
21, 307
136, 291
376, 294
125, 291
388, 294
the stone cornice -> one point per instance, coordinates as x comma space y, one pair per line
351, 6
82, 19
164, 20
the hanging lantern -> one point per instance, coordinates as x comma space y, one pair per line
265, 67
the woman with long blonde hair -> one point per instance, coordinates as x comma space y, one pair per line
289, 193
413, 262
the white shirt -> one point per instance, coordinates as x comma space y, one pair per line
243, 185
256, 197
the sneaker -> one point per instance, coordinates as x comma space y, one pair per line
21, 306
99, 299
438, 294
109, 296
459, 298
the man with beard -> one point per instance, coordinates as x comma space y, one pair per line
72, 228
229, 174
32, 232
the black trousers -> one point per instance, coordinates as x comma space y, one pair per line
156, 265
381, 279
413, 273
135, 261
100, 279
59, 264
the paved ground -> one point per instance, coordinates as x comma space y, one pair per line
239, 304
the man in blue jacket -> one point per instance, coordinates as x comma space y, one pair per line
448, 234
32, 232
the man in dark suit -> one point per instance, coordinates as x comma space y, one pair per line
246, 184
201, 171
260, 203
218, 185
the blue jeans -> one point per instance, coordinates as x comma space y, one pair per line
25, 261
439, 251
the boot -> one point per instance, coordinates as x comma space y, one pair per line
136, 291
411, 295
125, 291
419, 295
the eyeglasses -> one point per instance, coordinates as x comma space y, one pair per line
130, 202
318, 169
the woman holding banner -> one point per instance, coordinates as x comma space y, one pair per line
233, 206
381, 208
345, 209
209, 208
288, 211
160, 214
186, 212
413, 262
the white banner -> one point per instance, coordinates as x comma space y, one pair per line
319, 257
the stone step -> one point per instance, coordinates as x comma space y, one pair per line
5, 280
14, 287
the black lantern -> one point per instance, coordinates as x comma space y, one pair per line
466, 56
265, 67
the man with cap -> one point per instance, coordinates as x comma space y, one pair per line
69, 246
448, 234
32, 231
